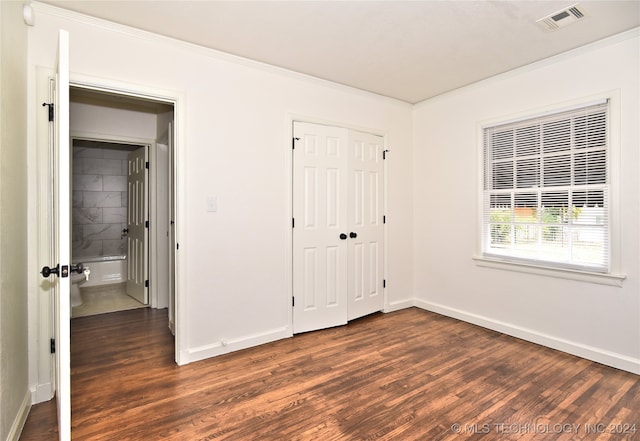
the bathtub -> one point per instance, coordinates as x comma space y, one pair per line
104, 269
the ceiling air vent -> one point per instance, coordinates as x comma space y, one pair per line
562, 18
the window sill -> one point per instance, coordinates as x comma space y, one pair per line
563, 273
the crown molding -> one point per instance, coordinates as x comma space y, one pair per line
65, 14
605, 42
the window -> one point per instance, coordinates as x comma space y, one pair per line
546, 190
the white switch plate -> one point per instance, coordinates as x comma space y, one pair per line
212, 204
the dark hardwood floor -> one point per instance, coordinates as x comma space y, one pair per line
408, 375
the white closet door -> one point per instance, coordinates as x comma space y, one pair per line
338, 231
320, 235
365, 220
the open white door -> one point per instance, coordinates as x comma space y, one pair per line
320, 227
61, 238
137, 230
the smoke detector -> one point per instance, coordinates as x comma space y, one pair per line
562, 18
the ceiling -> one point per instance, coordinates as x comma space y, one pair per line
409, 50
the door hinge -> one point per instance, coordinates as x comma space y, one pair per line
384, 153
293, 222
146, 224
52, 345
384, 283
293, 143
146, 165
146, 284
384, 219
293, 301
50, 105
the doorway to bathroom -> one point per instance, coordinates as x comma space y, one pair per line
110, 204
122, 202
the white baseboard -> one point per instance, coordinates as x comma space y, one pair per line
42, 392
398, 305
236, 344
20, 419
598, 355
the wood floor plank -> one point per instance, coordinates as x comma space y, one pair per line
407, 375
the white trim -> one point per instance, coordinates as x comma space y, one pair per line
180, 197
144, 92
42, 392
288, 257
21, 418
177, 99
398, 305
386, 305
41, 314
112, 139
225, 346
614, 171
619, 361
562, 273
605, 42
42, 8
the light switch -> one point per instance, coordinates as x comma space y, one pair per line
212, 204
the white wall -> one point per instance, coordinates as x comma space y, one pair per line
14, 331
592, 320
104, 120
236, 144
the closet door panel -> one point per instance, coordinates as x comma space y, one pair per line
365, 219
320, 217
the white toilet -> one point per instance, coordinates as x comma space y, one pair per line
76, 281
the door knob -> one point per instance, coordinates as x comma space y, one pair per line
77, 268
343, 236
46, 271
57, 271
353, 235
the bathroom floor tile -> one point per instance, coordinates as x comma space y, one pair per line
103, 299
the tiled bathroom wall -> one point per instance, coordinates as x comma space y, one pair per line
99, 201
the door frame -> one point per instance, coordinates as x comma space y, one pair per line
292, 118
177, 99
43, 362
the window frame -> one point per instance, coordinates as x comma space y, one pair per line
612, 277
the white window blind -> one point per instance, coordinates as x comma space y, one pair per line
546, 190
